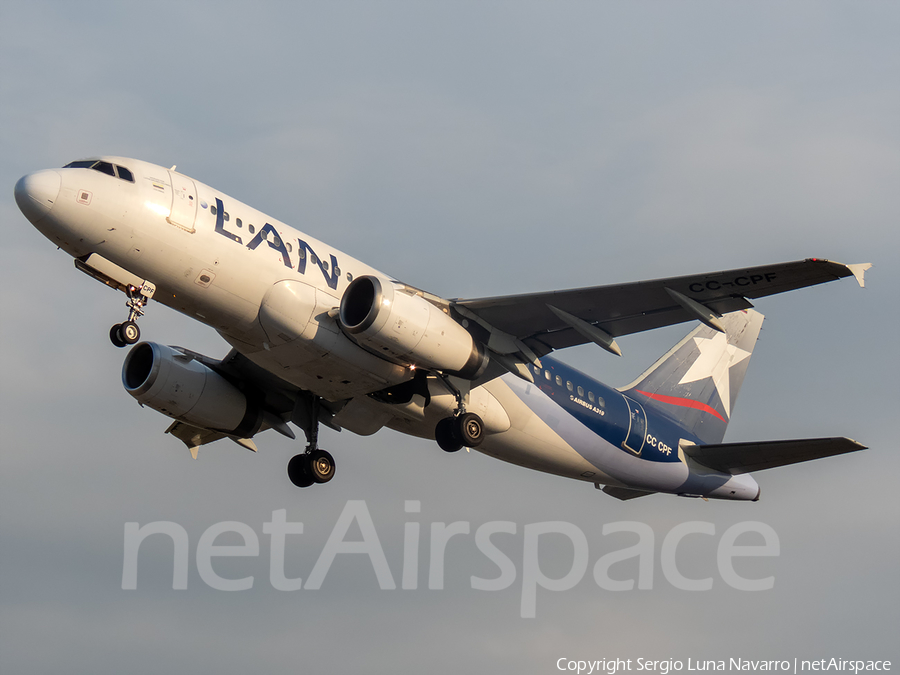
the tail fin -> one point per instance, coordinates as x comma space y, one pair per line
697, 382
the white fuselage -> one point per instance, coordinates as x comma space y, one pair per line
272, 292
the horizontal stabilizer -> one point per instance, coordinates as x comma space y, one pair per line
736, 458
625, 493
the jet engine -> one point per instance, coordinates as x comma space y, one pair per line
406, 328
182, 388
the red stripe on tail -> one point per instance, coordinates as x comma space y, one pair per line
683, 402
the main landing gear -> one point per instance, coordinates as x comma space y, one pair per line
127, 332
464, 429
315, 465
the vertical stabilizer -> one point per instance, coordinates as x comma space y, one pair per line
697, 382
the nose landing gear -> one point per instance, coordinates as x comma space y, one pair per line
122, 334
127, 332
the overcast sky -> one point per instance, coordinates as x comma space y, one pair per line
471, 149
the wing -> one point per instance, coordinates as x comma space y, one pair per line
558, 319
735, 458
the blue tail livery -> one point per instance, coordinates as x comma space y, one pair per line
697, 382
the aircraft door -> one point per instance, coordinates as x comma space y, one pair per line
637, 427
184, 202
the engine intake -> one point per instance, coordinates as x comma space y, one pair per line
184, 389
407, 328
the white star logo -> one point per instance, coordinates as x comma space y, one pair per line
717, 356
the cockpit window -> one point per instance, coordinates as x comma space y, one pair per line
104, 167
124, 173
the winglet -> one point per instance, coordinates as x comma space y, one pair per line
859, 271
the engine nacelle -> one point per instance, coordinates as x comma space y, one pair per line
407, 328
180, 387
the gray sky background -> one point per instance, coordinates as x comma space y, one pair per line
470, 149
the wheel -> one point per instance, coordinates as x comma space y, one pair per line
469, 429
445, 435
298, 471
130, 332
321, 466
115, 337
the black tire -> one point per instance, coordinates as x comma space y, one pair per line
321, 466
115, 337
129, 332
469, 429
298, 471
445, 435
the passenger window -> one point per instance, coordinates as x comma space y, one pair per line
558, 380
237, 221
124, 173
581, 391
81, 164
105, 167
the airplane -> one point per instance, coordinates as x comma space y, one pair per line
320, 338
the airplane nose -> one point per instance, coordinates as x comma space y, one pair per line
36, 193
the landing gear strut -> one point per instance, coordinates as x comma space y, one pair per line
464, 429
127, 332
315, 465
